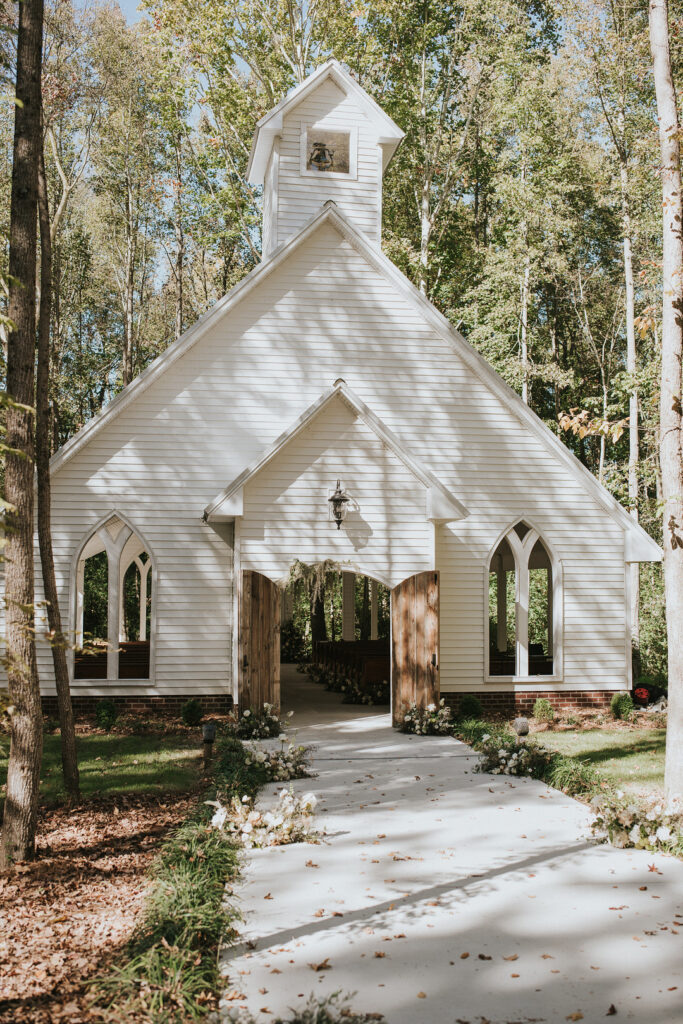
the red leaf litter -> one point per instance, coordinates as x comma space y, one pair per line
65, 916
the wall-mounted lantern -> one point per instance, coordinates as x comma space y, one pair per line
338, 502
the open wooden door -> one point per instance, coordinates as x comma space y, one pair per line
259, 642
414, 643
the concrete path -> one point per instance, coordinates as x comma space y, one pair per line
440, 896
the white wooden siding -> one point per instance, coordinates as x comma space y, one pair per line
299, 196
286, 512
327, 314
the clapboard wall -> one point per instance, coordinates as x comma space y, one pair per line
300, 196
326, 313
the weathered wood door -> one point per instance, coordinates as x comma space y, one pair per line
259, 642
414, 643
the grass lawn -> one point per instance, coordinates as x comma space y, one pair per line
632, 761
118, 764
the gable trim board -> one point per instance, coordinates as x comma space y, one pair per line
639, 546
441, 506
271, 124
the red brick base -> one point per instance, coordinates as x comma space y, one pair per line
141, 705
509, 703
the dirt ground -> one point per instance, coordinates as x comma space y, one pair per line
67, 914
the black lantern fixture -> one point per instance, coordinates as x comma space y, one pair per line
338, 502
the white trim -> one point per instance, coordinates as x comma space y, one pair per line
236, 609
325, 126
270, 125
521, 552
440, 504
114, 550
638, 542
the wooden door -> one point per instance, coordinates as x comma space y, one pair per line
259, 642
414, 643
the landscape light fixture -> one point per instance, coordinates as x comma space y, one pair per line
338, 502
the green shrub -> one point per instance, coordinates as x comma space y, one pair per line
106, 714
469, 706
543, 710
473, 730
574, 777
622, 705
191, 712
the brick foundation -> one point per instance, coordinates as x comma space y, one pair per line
510, 703
141, 705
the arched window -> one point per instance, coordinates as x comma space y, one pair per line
114, 601
524, 620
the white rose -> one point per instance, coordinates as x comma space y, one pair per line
634, 834
260, 756
246, 713
247, 827
663, 833
431, 707
309, 800
220, 817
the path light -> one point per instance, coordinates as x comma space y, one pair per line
208, 737
521, 727
338, 502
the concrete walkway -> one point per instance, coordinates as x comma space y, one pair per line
440, 896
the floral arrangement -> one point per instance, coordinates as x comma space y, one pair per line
501, 755
432, 720
289, 821
256, 724
647, 826
289, 762
376, 693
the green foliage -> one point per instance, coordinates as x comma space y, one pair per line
106, 714
334, 1009
621, 706
192, 712
577, 778
95, 597
257, 723
469, 706
543, 710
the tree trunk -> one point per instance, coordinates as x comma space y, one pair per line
670, 446
21, 804
524, 331
180, 247
631, 366
57, 639
129, 291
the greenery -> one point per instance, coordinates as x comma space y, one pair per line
257, 723
111, 764
621, 706
543, 710
192, 712
632, 760
106, 714
469, 706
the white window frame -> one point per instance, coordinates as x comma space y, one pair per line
114, 549
330, 126
521, 551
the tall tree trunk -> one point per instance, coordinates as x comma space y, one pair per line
671, 436
26, 745
631, 366
129, 291
524, 331
180, 246
58, 640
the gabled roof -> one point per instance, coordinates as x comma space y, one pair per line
639, 546
270, 125
441, 506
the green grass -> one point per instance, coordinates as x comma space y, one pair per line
111, 764
632, 761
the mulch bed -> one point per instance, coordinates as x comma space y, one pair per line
67, 915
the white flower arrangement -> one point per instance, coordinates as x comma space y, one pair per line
501, 755
625, 823
290, 821
258, 723
289, 762
432, 720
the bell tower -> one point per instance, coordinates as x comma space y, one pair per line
327, 139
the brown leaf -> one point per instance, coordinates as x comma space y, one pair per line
483, 956
421, 995
513, 957
267, 896
324, 965
612, 1010
575, 1016
463, 956
379, 956
310, 864
319, 913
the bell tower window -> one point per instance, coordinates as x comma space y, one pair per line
328, 152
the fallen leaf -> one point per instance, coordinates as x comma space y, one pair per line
401, 935
310, 864
653, 867
324, 965
275, 971
319, 913
514, 975
513, 957
267, 896
263, 991
379, 956
575, 1016
642, 889
463, 956
421, 995
483, 956
547, 956
612, 1010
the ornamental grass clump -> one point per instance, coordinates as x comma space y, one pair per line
543, 711
432, 720
622, 706
258, 723
626, 823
